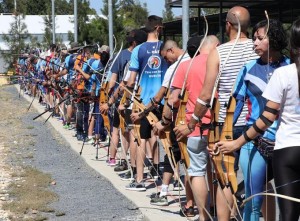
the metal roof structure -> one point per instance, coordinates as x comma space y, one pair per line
285, 11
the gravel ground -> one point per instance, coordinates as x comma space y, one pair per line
83, 193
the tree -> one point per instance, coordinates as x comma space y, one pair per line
83, 20
15, 39
127, 15
168, 14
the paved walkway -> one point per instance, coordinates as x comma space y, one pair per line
141, 199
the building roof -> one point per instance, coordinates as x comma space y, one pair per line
35, 23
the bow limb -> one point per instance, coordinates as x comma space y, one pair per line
223, 164
181, 119
297, 200
106, 66
104, 91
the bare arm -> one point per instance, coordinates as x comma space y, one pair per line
159, 96
85, 75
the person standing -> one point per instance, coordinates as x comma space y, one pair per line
241, 53
283, 95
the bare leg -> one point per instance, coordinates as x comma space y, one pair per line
223, 211
200, 195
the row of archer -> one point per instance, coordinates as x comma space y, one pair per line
140, 103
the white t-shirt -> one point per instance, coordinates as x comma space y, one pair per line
171, 69
283, 89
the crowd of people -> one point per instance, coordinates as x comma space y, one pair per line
214, 107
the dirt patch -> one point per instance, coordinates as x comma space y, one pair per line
24, 191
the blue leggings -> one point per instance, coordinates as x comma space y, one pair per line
254, 168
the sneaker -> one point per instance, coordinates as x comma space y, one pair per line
135, 186
159, 201
187, 212
112, 162
176, 186
90, 141
79, 137
127, 176
66, 126
121, 167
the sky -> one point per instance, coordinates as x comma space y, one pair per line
155, 7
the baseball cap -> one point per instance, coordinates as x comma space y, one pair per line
194, 42
104, 48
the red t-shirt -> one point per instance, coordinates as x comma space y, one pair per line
194, 84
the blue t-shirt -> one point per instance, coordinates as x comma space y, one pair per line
96, 66
87, 66
120, 63
69, 65
251, 82
145, 60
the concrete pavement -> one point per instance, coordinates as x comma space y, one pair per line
141, 199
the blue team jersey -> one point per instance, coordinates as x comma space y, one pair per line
69, 65
87, 66
96, 66
120, 63
145, 60
250, 84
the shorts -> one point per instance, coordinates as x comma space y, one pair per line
146, 127
198, 153
116, 119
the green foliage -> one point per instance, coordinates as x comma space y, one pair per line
34, 7
15, 39
168, 14
127, 15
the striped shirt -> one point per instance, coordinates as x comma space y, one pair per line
241, 54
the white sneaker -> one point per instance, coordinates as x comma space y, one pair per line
90, 141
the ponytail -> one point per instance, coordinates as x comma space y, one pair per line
295, 48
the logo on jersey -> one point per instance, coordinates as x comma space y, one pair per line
154, 62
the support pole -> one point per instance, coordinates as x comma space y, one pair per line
75, 22
185, 23
53, 22
110, 25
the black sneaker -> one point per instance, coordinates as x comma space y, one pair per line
135, 186
159, 201
177, 186
187, 212
121, 167
127, 176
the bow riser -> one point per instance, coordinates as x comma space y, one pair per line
181, 120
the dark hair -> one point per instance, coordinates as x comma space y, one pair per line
193, 44
295, 47
152, 22
104, 58
53, 47
277, 35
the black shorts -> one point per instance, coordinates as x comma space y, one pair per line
146, 127
116, 119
